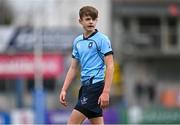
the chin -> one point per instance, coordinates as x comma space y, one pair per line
90, 30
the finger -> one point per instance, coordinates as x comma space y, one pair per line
99, 101
63, 97
64, 103
104, 104
62, 100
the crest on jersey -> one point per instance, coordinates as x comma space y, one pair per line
84, 100
90, 44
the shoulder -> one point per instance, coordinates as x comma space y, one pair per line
103, 37
78, 38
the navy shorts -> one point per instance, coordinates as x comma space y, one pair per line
88, 100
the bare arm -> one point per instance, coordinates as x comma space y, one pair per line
109, 73
68, 80
104, 98
70, 74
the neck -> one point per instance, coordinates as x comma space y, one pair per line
87, 33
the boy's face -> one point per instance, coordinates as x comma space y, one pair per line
88, 23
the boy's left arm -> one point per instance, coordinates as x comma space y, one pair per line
104, 98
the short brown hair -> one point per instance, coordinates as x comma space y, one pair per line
88, 11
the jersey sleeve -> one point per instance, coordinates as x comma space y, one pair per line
106, 48
75, 51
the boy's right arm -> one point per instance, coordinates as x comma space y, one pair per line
68, 80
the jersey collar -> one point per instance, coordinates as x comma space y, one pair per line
85, 38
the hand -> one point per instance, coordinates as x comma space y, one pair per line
104, 100
62, 98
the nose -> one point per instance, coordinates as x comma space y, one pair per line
90, 21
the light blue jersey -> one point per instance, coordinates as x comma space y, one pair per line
90, 53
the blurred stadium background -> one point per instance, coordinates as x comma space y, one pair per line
35, 53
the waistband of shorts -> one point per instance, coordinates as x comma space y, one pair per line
94, 84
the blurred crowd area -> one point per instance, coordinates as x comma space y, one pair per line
35, 52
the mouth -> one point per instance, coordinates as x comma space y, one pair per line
91, 26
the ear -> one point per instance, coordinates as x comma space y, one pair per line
80, 21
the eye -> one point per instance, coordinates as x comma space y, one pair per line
87, 19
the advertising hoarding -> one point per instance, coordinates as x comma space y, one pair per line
23, 65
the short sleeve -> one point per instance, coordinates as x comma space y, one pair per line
75, 51
106, 48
